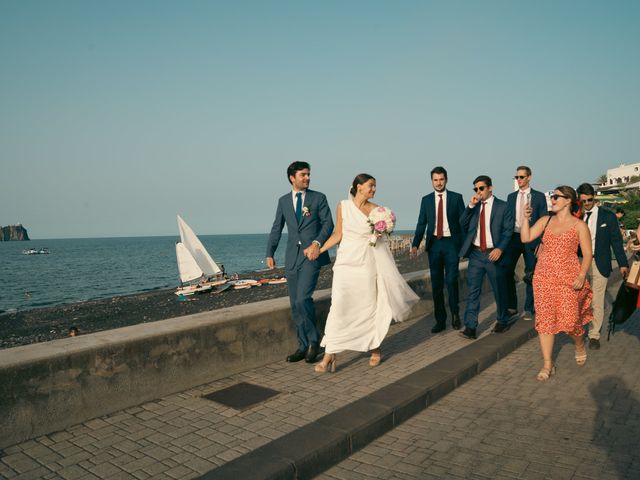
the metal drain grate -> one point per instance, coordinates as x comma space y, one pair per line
241, 396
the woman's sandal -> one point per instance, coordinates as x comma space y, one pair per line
375, 358
545, 373
581, 358
330, 366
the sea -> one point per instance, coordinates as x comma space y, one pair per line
82, 269
77, 270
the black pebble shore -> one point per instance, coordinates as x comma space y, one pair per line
44, 324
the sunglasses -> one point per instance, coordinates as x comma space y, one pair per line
556, 196
479, 189
520, 177
588, 200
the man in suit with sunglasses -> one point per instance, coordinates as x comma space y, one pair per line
517, 201
488, 224
605, 236
440, 218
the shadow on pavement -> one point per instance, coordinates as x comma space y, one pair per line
616, 429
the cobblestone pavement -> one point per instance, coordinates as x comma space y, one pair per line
584, 423
184, 435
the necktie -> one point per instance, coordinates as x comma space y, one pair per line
439, 220
483, 233
587, 217
523, 204
299, 206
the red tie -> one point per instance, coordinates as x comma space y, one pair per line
483, 234
440, 227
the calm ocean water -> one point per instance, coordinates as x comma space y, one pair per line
82, 269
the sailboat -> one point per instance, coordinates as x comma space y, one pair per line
195, 263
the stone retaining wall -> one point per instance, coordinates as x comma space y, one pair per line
50, 386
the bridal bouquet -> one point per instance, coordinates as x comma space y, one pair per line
382, 221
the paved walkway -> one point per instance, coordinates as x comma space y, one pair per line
584, 423
185, 435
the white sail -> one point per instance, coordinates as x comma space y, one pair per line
187, 266
197, 250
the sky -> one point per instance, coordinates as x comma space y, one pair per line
116, 116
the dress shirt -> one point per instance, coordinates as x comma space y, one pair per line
593, 225
520, 204
293, 196
488, 206
445, 222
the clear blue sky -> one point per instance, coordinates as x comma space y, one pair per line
117, 115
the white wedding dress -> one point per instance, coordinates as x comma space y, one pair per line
368, 291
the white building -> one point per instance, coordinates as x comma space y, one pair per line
622, 174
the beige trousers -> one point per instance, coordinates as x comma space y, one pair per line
599, 288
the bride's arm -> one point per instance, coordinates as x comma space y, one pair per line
336, 236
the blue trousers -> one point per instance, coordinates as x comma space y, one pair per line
479, 266
301, 283
443, 264
513, 252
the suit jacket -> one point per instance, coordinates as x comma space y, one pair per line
539, 210
501, 226
427, 219
318, 225
608, 237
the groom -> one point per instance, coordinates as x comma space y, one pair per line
308, 218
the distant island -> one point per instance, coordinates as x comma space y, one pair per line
13, 233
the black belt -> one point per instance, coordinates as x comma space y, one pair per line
486, 250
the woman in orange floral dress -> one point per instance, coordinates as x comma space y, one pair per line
562, 294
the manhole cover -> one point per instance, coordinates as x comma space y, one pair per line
241, 396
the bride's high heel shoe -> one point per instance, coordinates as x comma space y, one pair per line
329, 366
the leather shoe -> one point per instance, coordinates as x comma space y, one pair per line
312, 353
501, 327
594, 344
455, 321
469, 333
438, 327
296, 356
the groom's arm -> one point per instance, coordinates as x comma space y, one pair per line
274, 236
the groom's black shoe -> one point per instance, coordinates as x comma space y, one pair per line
296, 356
312, 353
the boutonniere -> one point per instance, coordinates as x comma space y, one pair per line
306, 212
603, 225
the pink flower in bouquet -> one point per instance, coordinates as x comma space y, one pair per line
382, 221
380, 226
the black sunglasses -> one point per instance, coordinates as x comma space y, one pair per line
520, 177
556, 196
479, 189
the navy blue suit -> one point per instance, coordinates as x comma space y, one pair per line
443, 253
302, 274
501, 227
608, 238
517, 248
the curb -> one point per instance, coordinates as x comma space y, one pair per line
308, 451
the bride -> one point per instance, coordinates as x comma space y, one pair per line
367, 291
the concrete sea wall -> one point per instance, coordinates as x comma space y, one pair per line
50, 386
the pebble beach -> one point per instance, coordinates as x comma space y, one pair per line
44, 324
